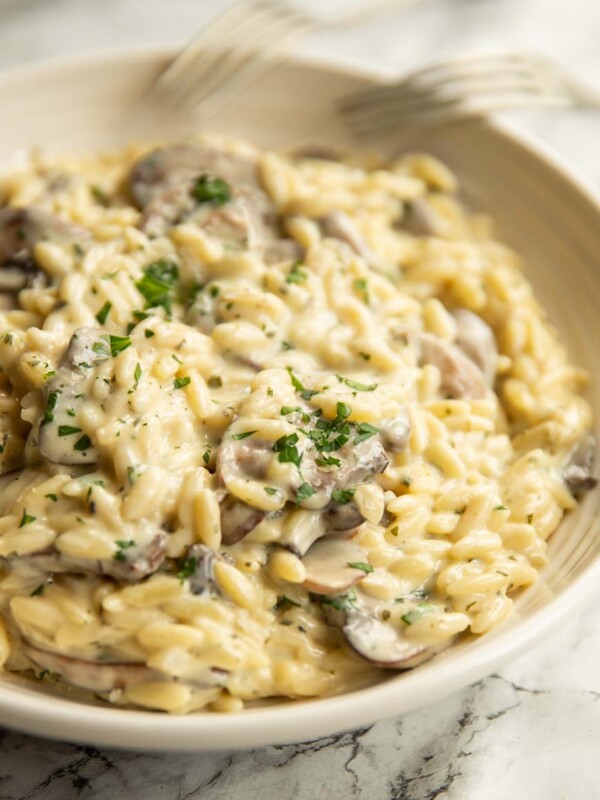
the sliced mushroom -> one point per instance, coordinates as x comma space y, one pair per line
97, 676
131, 564
383, 644
342, 519
359, 463
395, 433
167, 167
202, 578
460, 377
238, 519
66, 393
338, 225
22, 228
476, 339
421, 219
578, 471
327, 566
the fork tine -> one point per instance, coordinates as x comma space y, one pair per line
228, 62
442, 74
465, 86
431, 109
244, 32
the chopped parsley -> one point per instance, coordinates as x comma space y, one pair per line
287, 451
50, 406
118, 344
365, 431
305, 490
83, 443
67, 430
285, 410
296, 275
341, 602
26, 519
501, 507
102, 315
137, 374
187, 568
283, 601
343, 496
215, 381
123, 545
305, 393
149, 333
328, 461
211, 189
362, 565
206, 455
359, 387
239, 436
270, 490
52, 497
157, 285
179, 383
38, 591
412, 616
365, 356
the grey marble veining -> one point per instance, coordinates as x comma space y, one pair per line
531, 732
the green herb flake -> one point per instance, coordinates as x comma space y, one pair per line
118, 344
206, 455
285, 410
412, 616
365, 431
38, 591
287, 451
187, 568
50, 407
211, 189
305, 490
102, 315
239, 436
149, 333
365, 356
52, 497
362, 565
283, 601
328, 461
501, 507
270, 490
305, 393
123, 545
215, 381
26, 519
137, 374
67, 430
341, 602
296, 275
158, 283
529, 519
359, 387
84, 443
343, 496
179, 383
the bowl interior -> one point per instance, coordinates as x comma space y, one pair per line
87, 104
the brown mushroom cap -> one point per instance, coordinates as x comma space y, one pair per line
383, 644
327, 566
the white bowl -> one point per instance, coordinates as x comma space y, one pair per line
540, 208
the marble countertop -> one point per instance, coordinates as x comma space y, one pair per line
530, 732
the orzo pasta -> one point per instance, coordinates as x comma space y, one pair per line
269, 423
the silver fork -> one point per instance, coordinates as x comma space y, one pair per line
466, 86
239, 46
